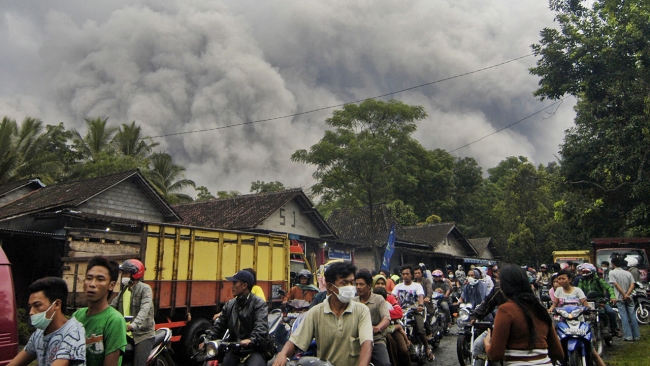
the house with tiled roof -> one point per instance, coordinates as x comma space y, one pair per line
353, 225
287, 211
13, 190
487, 250
41, 226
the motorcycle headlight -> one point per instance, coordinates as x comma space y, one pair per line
563, 313
576, 313
463, 314
211, 349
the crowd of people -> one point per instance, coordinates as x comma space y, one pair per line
353, 318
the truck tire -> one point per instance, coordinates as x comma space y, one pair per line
190, 338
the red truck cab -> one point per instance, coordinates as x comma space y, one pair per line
8, 312
607, 248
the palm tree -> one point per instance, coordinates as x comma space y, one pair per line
23, 151
98, 138
129, 141
164, 175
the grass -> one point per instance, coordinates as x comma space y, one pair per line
631, 353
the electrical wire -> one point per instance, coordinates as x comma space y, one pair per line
342, 104
512, 124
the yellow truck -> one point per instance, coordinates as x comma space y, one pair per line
186, 267
564, 256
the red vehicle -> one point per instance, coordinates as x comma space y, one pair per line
8, 313
604, 249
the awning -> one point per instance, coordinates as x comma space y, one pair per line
485, 262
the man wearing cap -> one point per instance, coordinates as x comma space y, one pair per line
245, 317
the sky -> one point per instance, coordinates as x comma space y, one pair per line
185, 65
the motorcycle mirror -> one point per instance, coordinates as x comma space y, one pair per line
545, 298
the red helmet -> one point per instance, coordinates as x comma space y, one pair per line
134, 267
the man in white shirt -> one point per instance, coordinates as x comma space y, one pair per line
411, 294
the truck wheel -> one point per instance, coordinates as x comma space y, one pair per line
190, 337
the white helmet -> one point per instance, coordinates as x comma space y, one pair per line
632, 262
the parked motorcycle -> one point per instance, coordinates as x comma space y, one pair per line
161, 353
467, 336
641, 304
575, 334
418, 350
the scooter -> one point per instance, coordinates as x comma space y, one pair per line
575, 334
161, 353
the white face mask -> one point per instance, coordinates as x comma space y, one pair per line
472, 280
125, 281
346, 293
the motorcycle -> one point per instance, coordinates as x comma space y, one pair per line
214, 350
641, 304
467, 335
418, 350
437, 323
161, 353
600, 322
575, 334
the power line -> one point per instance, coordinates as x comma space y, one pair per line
514, 123
342, 104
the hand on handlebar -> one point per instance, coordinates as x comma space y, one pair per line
613, 301
245, 343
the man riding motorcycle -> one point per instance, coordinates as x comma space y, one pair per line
245, 317
441, 286
137, 301
591, 282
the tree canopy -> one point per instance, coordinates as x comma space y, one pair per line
601, 55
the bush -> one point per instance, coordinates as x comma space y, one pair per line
25, 328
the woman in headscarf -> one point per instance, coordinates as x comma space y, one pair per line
475, 290
523, 332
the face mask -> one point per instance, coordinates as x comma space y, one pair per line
40, 321
125, 281
451, 276
346, 293
472, 281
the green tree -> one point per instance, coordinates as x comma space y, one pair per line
228, 194
365, 154
23, 151
601, 55
168, 179
204, 194
97, 139
262, 187
130, 142
403, 213
526, 226
104, 163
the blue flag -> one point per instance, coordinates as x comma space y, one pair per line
390, 248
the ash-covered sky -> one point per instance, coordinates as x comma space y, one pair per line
175, 66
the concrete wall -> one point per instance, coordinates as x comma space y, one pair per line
289, 219
451, 246
14, 195
364, 259
125, 200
